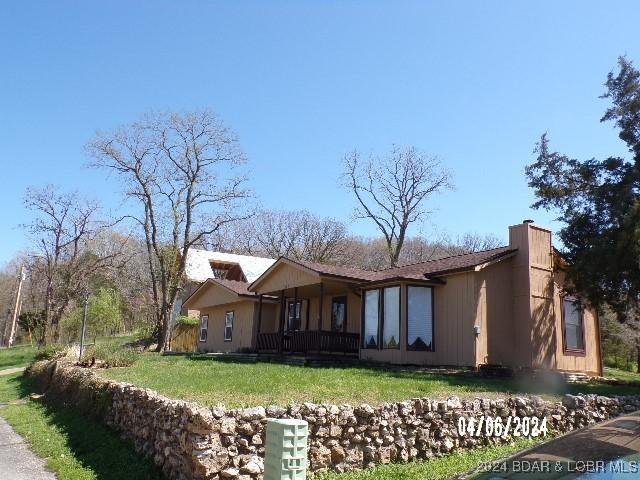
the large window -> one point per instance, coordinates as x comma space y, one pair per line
371, 315
294, 316
419, 318
228, 326
573, 326
339, 314
204, 326
391, 318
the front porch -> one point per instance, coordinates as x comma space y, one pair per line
309, 342
316, 315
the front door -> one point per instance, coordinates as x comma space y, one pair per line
339, 314
294, 316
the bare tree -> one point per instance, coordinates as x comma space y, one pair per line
180, 170
372, 253
297, 234
322, 239
470, 242
391, 190
63, 229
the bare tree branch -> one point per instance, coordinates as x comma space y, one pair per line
391, 190
181, 172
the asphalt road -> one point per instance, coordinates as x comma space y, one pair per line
17, 462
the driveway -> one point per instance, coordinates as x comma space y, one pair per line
606, 451
17, 462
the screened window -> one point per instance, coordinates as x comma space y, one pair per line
573, 326
371, 316
204, 325
339, 314
419, 318
228, 326
391, 323
295, 315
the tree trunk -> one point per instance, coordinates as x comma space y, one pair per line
47, 315
164, 334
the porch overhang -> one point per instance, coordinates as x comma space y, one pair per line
221, 294
286, 274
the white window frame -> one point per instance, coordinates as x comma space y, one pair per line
204, 328
228, 326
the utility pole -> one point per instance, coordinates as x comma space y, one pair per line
84, 323
16, 309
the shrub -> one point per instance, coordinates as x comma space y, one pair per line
50, 352
185, 321
144, 332
109, 355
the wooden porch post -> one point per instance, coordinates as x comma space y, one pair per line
295, 303
281, 325
259, 313
321, 305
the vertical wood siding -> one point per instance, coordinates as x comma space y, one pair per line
184, 339
243, 325
590, 361
285, 276
455, 310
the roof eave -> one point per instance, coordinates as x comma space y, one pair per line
426, 280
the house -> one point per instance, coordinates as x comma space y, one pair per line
216, 288
201, 265
504, 306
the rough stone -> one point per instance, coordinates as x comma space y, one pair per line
189, 441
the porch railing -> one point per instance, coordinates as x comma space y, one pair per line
310, 342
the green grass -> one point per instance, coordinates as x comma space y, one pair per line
438, 468
23, 355
74, 447
19, 356
621, 374
213, 381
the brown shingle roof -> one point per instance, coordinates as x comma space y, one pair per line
415, 271
429, 270
236, 286
337, 271
434, 268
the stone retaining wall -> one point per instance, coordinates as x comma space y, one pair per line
189, 441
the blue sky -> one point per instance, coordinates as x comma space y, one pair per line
302, 83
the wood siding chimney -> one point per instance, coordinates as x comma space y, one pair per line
533, 306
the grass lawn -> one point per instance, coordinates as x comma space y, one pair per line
23, 355
621, 374
213, 381
19, 356
438, 468
74, 447
77, 448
